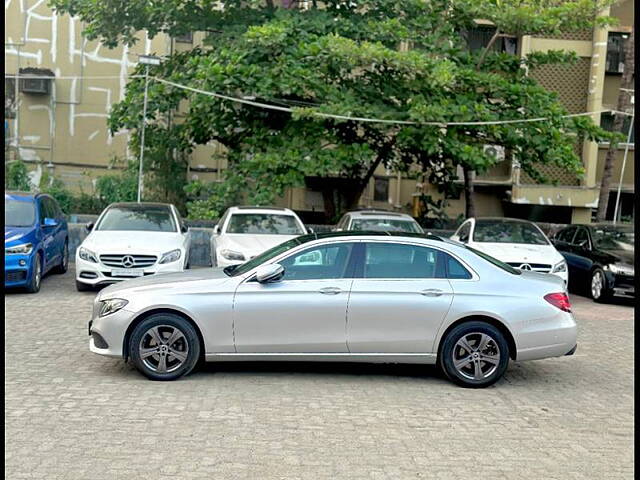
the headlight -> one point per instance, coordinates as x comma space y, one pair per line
232, 255
559, 267
87, 255
111, 305
23, 249
620, 268
171, 256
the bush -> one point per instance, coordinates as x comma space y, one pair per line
16, 176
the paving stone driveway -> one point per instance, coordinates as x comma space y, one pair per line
74, 415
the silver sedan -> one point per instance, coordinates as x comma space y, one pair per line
368, 297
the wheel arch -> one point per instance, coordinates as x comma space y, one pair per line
482, 318
136, 321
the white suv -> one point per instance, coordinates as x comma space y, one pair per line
132, 240
244, 232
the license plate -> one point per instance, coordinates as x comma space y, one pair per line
126, 272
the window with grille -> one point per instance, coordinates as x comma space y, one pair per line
9, 98
186, 38
479, 37
615, 52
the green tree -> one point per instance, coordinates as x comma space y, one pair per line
345, 58
16, 176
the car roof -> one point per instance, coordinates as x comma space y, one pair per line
378, 214
263, 209
501, 219
139, 204
370, 233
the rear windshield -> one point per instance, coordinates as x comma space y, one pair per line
385, 225
143, 219
18, 214
497, 231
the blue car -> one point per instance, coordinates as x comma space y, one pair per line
36, 239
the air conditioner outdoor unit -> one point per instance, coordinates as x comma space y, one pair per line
35, 80
495, 151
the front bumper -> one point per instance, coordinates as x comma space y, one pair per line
15, 274
623, 285
94, 274
108, 333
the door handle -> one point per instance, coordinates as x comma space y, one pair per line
330, 290
431, 292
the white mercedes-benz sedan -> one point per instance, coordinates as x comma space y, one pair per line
366, 297
519, 243
244, 232
132, 240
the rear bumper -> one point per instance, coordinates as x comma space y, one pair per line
550, 337
572, 351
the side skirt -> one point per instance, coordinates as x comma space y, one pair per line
421, 358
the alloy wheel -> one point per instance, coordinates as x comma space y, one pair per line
476, 356
597, 284
163, 349
38, 272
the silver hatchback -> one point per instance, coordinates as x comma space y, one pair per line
367, 297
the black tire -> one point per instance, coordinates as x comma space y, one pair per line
473, 330
604, 293
36, 276
83, 287
189, 343
64, 263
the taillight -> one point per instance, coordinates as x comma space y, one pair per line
560, 300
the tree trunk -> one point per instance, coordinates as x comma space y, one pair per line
470, 207
624, 104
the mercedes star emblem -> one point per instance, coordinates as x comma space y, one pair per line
525, 266
127, 261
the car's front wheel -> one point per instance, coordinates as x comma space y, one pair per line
474, 354
598, 287
164, 347
36, 275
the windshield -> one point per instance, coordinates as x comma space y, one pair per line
18, 214
508, 232
494, 261
264, 224
385, 225
614, 239
143, 218
234, 270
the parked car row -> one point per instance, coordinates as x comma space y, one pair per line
129, 240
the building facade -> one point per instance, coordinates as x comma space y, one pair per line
57, 124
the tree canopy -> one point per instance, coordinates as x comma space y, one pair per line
389, 61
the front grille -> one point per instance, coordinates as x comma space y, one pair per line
15, 276
124, 277
128, 261
536, 267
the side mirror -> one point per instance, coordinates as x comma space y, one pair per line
216, 230
184, 229
310, 230
88, 227
269, 273
50, 222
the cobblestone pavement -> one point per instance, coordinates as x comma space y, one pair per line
71, 414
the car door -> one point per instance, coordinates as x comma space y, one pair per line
48, 232
305, 312
60, 229
580, 252
398, 299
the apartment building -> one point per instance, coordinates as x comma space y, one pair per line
57, 123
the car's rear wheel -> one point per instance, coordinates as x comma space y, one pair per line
474, 354
598, 286
36, 276
164, 347
64, 263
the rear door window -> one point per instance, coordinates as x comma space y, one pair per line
400, 261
